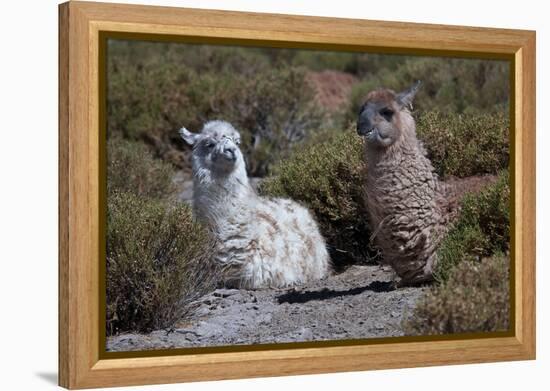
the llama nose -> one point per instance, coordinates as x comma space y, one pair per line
229, 151
363, 126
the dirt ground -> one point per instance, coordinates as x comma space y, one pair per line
361, 302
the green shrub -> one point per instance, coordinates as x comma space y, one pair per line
449, 85
316, 60
131, 168
274, 111
482, 229
158, 259
465, 145
367, 65
158, 262
327, 178
151, 94
145, 103
155, 88
475, 298
204, 58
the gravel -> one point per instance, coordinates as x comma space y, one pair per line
362, 302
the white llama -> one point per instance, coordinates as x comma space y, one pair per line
262, 242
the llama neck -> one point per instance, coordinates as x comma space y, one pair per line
217, 196
405, 147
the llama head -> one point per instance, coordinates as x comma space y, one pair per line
385, 116
216, 147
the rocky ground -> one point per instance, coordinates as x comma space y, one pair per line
361, 302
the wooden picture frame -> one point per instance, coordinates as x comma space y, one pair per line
83, 26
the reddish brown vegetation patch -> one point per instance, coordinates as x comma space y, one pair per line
332, 88
456, 188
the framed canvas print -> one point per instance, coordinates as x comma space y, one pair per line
247, 195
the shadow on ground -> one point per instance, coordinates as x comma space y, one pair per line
293, 297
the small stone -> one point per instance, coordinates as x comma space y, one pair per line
223, 293
306, 333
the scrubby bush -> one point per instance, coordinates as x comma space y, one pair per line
274, 112
465, 145
158, 259
322, 60
365, 65
204, 58
158, 262
145, 103
327, 178
150, 97
482, 229
155, 88
132, 168
450, 85
475, 298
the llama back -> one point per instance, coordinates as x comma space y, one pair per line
283, 246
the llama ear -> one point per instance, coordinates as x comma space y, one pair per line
406, 98
190, 138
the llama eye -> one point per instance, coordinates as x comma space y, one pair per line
386, 113
238, 142
210, 145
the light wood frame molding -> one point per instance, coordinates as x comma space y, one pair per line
81, 362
